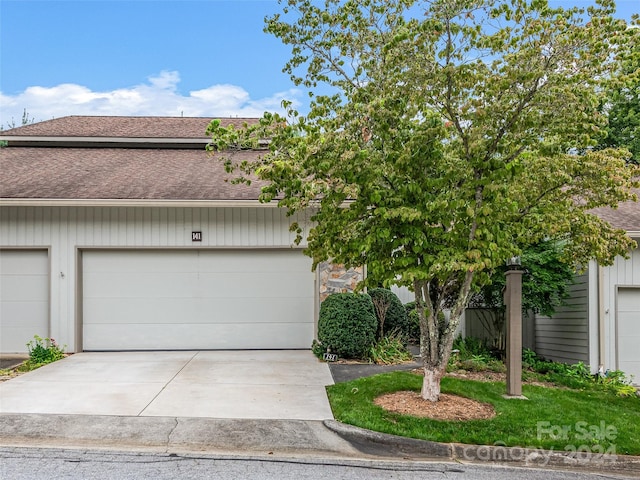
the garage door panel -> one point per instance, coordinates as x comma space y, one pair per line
24, 287
236, 294
24, 298
23, 262
628, 331
255, 261
195, 285
628, 343
175, 310
14, 339
132, 261
28, 315
193, 336
252, 285
140, 284
628, 327
632, 370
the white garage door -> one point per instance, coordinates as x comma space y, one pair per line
629, 332
24, 298
197, 299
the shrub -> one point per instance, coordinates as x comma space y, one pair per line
391, 314
347, 325
390, 350
469, 347
578, 375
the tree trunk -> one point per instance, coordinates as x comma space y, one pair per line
431, 384
436, 334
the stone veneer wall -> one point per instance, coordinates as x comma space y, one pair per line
334, 278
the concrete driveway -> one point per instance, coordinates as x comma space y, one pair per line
215, 384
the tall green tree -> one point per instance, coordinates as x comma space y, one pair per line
545, 283
445, 144
545, 287
622, 108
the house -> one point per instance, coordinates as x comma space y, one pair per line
123, 233
600, 325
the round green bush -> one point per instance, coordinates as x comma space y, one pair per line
347, 325
396, 318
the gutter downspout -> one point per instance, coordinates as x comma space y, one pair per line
601, 321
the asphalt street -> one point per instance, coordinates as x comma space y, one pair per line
54, 464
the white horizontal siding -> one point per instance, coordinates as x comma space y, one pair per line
64, 230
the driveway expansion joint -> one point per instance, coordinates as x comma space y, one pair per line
167, 384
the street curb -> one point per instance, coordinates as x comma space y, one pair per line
376, 443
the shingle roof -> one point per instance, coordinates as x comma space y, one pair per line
625, 217
119, 173
125, 127
89, 169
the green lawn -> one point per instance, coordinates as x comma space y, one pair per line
551, 418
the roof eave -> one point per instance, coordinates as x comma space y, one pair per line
148, 142
55, 141
123, 202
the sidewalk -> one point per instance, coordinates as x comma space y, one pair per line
174, 434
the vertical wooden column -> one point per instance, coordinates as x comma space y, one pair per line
513, 301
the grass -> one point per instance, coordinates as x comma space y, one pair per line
524, 423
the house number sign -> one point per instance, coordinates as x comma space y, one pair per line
196, 236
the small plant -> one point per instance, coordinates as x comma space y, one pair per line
390, 350
579, 370
43, 351
529, 358
390, 312
617, 382
468, 347
318, 349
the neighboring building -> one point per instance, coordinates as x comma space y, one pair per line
123, 233
600, 325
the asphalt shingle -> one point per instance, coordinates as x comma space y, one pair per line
125, 127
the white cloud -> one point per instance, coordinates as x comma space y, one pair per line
158, 96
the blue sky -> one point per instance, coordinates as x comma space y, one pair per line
147, 57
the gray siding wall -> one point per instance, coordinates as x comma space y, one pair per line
572, 335
67, 230
565, 336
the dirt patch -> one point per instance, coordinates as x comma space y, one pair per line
9, 374
486, 376
449, 407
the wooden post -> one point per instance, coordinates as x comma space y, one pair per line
513, 301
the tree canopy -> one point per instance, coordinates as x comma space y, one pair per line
545, 282
455, 134
622, 108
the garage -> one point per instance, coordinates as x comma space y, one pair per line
24, 298
197, 299
628, 316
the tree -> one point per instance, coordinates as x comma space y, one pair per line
446, 142
26, 120
622, 108
545, 286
